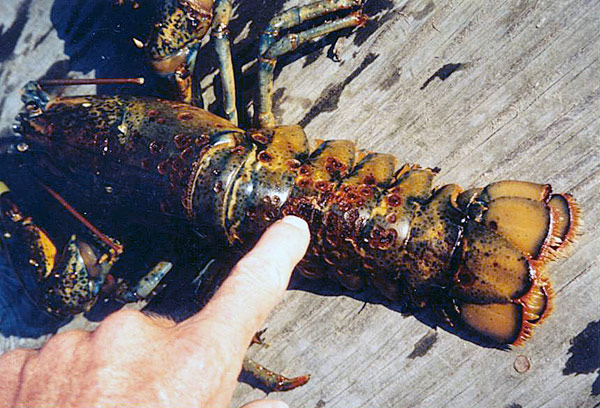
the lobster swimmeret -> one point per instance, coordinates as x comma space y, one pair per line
479, 255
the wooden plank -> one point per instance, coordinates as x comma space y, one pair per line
524, 106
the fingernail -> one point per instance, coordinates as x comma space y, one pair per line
295, 221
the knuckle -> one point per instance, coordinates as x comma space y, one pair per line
122, 321
125, 317
66, 340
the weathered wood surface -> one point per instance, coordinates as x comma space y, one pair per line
525, 106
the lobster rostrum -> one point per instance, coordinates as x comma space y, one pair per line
480, 254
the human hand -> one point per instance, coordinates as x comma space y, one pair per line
137, 360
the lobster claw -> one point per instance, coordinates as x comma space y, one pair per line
63, 285
175, 39
77, 279
513, 229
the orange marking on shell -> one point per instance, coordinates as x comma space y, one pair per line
177, 164
312, 273
393, 200
187, 153
305, 170
162, 167
265, 157
202, 140
182, 141
293, 164
185, 116
260, 138
155, 147
322, 186
366, 191
333, 166
240, 150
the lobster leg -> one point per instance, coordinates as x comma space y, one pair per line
271, 46
271, 380
146, 287
220, 33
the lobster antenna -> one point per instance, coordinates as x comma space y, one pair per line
104, 238
90, 81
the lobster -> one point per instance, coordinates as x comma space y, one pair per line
479, 256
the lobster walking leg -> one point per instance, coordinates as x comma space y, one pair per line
270, 379
271, 46
220, 33
146, 287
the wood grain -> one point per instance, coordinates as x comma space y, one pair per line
523, 105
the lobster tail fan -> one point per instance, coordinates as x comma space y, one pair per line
511, 220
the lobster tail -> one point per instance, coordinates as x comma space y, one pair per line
513, 229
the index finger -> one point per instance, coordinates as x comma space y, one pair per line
254, 287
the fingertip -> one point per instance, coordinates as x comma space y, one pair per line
284, 244
292, 230
296, 222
